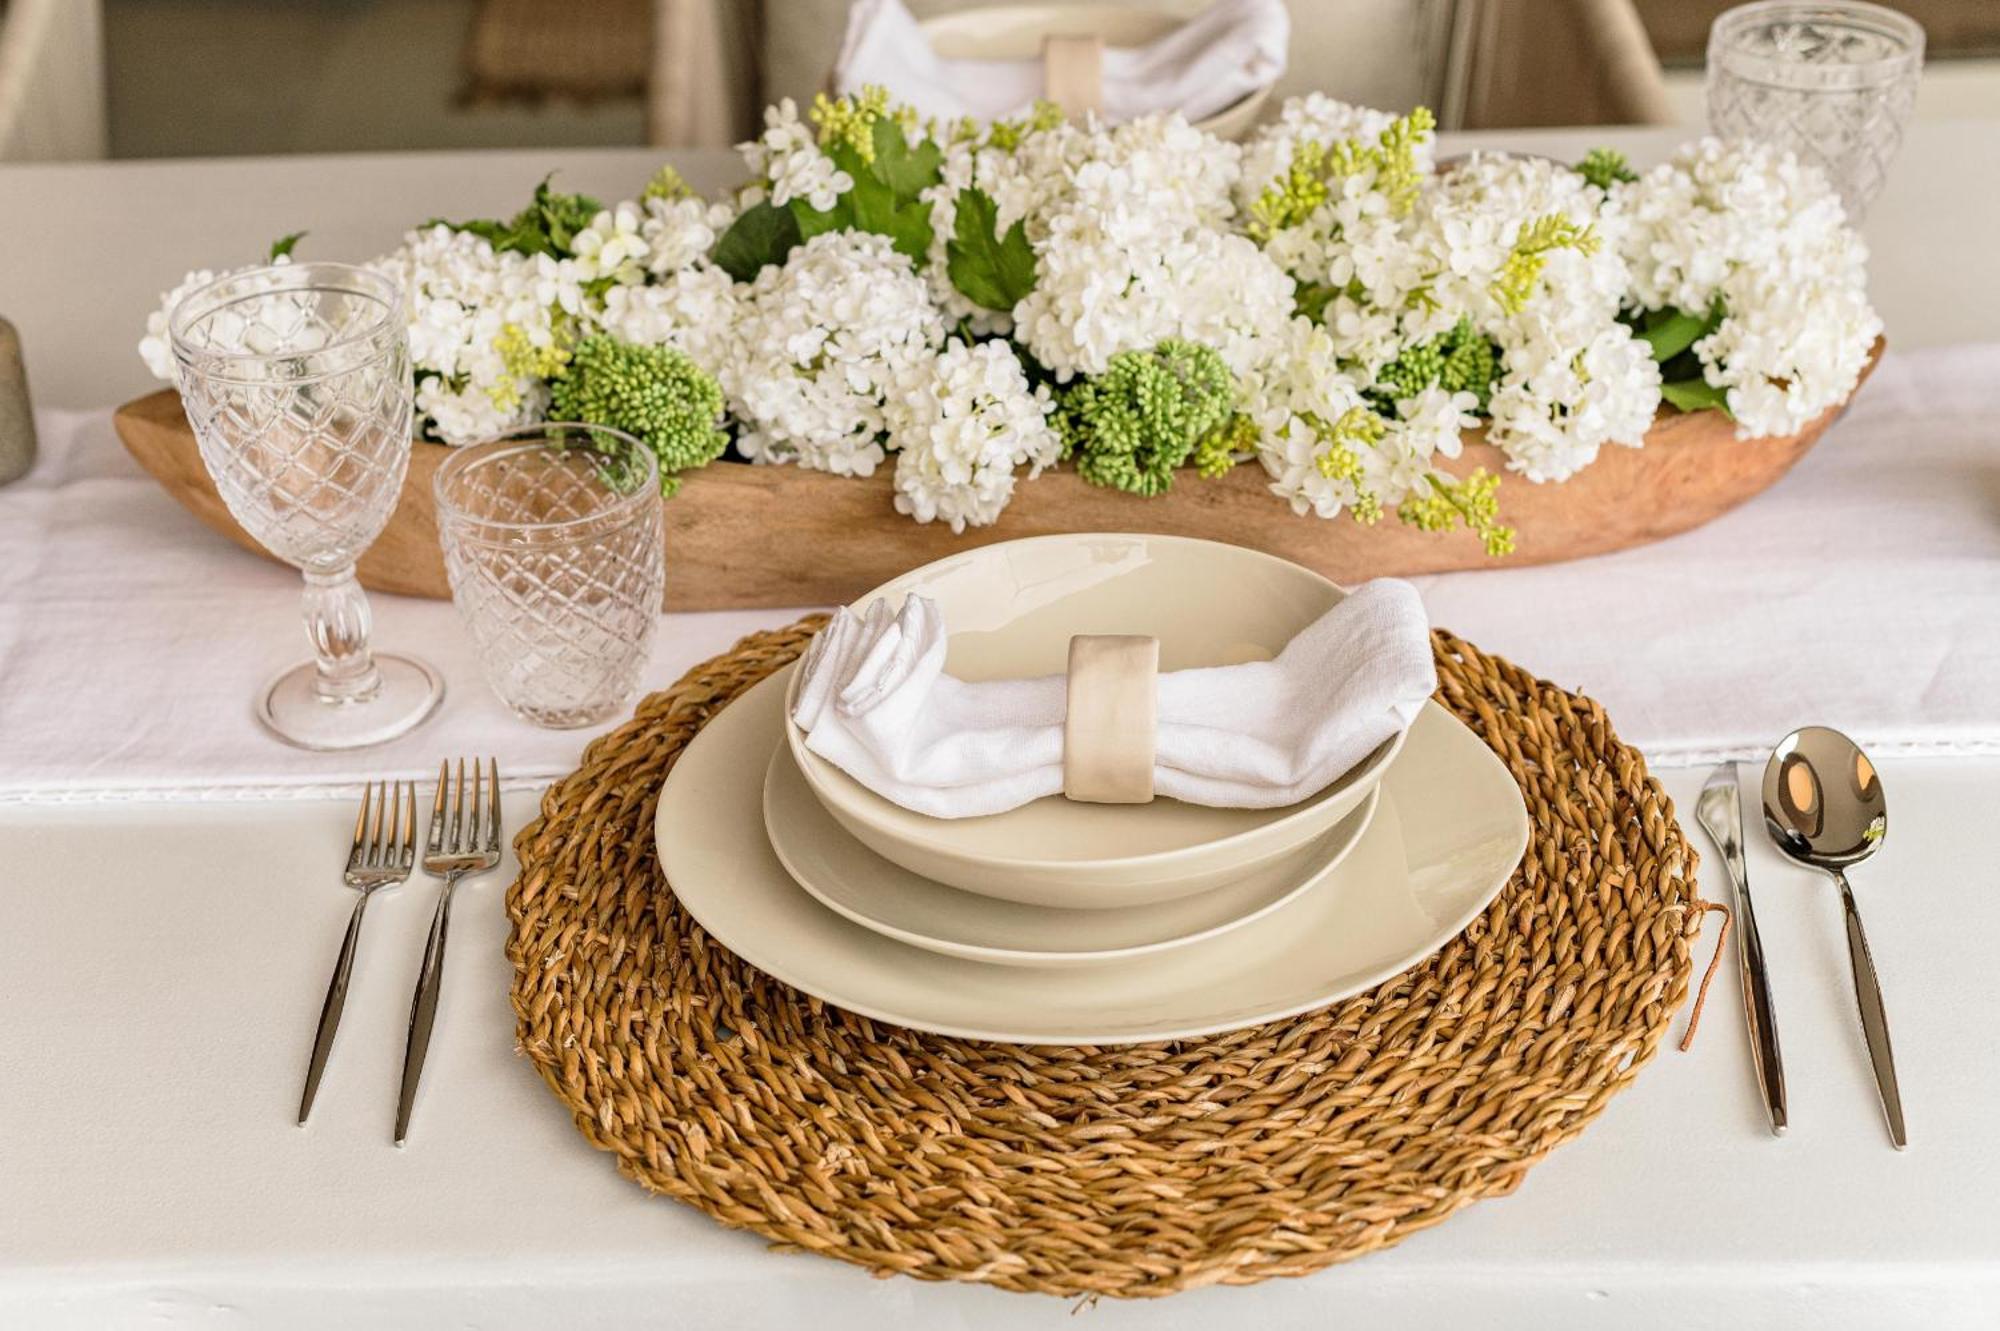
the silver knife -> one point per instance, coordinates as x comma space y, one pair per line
1720, 811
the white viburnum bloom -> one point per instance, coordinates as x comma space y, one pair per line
682, 233
695, 311
961, 426
826, 338
1749, 225
613, 246
787, 157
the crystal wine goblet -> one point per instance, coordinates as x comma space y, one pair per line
296, 379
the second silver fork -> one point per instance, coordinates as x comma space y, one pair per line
464, 839
385, 843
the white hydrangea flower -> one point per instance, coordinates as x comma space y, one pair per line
827, 337
695, 311
156, 348
961, 425
787, 157
1750, 225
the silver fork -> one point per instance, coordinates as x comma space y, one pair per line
469, 844
385, 845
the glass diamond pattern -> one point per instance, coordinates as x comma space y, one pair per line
558, 574
1835, 83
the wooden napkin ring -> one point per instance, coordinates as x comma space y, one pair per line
1109, 729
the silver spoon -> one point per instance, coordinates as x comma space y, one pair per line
1824, 808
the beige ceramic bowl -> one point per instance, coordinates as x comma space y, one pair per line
1011, 609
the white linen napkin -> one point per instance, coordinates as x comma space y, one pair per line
875, 702
1206, 65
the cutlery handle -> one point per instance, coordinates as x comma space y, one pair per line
329, 1012
1874, 1020
1762, 1015
423, 1009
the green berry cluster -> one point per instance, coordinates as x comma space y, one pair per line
654, 393
1131, 426
1459, 361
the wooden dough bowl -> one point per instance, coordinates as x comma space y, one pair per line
744, 536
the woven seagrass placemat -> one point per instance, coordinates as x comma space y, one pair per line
1134, 1171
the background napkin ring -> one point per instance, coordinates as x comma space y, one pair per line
1110, 727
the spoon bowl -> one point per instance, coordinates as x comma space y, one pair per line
1823, 800
1824, 807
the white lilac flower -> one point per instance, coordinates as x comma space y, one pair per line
487, 329
1523, 249
787, 157
826, 338
1752, 227
961, 425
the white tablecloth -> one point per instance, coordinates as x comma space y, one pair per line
132, 639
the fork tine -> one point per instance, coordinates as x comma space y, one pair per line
437, 808
458, 809
409, 850
471, 841
493, 805
356, 851
392, 848
375, 834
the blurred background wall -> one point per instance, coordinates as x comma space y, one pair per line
154, 78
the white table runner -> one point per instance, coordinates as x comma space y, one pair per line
1860, 592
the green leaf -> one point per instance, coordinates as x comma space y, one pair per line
907, 171
1670, 332
281, 248
885, 195
988, 269
1696, 395
763, 234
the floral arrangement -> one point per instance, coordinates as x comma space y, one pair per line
1148, 304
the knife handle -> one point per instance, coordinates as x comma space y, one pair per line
1757, 1008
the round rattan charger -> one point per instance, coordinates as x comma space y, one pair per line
1133, 1171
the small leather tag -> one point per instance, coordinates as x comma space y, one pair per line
1111, 724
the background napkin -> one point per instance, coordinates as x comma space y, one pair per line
1208, 64
875, 702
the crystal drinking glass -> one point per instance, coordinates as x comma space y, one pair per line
297, 381
1835, 82
553, 540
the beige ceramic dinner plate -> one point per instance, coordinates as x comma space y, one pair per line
848, 878
1448, 830
1011, 609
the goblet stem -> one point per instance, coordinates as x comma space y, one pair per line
337, 621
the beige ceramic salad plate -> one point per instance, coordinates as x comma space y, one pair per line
1448, 830
853, 881
1011, 610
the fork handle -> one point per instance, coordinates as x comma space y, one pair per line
423, 1009
1874, 1019
329, 1012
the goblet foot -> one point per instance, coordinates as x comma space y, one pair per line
293, 710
